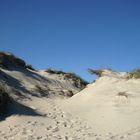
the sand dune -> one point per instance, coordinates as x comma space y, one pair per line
52, 124
41, 107
110, 105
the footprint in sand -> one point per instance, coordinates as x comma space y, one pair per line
55, 129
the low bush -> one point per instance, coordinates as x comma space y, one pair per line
134, 74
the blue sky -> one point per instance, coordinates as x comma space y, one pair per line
72, 35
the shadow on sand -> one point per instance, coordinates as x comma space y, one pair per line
16, 108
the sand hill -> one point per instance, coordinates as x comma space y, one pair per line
111, 106
25, 81
56, 105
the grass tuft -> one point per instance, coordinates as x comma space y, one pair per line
69, 75
28, 66
4, 99
134, 74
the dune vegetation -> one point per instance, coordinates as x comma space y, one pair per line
4, 98
68, 75
134, 74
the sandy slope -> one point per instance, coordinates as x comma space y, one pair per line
106, 110
45, 119
99, 112
37, 83
52, 124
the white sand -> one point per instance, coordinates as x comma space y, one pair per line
55, 124
98, 112
107, 111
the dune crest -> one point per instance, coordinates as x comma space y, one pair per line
109, 105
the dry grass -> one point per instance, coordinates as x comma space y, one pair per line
98, 72
134, 74
28, 66
69, 75
8, 59
4, 98
123, 94
53, 71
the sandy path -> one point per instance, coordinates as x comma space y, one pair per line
54, 125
